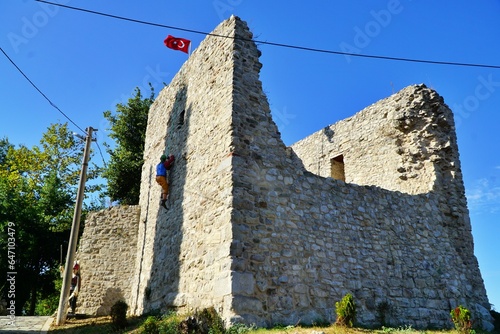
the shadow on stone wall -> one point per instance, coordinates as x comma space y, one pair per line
165, 271
143, 243
111, 296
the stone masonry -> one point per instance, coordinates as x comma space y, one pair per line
373, 205
106, 255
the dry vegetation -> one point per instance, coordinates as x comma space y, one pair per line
103, 325
93, 325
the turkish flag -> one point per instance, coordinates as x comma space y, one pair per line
175, 43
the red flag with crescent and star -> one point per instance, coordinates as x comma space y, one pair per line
175, 43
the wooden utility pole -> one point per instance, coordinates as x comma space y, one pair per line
73, 239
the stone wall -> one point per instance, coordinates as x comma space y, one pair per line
263, 232
404, 143
106, 254
303, 240
399, 143
184, 252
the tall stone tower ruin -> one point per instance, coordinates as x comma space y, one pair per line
373, 205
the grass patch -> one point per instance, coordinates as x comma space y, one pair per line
136, 325
167, 324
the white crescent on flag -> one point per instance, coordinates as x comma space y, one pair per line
175, 43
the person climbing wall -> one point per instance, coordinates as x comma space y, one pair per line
161, 177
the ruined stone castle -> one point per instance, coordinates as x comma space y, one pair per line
373, 205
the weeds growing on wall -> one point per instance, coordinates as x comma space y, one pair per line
346, 311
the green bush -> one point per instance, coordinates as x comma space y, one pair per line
213, 321
461, 319
168, 327
119, 314
150, 326
206, 321
346, 311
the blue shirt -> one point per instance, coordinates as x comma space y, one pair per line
161, 170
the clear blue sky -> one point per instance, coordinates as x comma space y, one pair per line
87, 63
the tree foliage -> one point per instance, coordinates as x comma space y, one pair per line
128, 129
37, 194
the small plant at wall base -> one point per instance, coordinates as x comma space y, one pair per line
119, 314
169, 323
461, 319
346, 311
206, 321
150, 326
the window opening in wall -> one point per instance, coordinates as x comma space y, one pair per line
181, 119
337, 168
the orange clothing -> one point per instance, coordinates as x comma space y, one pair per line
162, 181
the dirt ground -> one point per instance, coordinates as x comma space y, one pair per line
87, 325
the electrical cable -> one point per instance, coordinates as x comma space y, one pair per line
100, 152
51, 103
38, 89
435, 62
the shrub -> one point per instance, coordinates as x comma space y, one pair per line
207, 321
119, 314
346, 311
168, 327
462, 319
150, 326
213, 321
169, 324
190, 325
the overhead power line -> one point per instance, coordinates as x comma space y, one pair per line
51, 103
100, 152
38, 89
298, 47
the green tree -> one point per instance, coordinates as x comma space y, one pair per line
37, 194
4, 148
128, 129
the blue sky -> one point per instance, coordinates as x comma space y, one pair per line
85, 64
